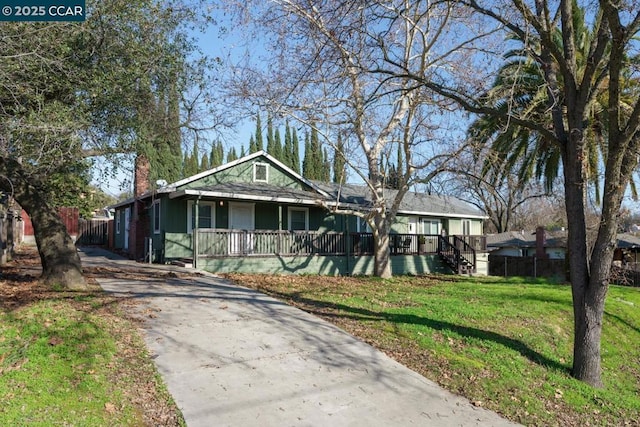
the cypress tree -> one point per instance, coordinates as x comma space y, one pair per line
191, 162
270, 139
258, 141
204, 163
326, 167
295, 151
252, 145
276, 149
287, 148
307, 161
232, 155
217, 155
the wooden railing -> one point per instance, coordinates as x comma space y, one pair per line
223, 242
459, 253
227, 242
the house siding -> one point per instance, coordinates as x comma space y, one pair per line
243, 172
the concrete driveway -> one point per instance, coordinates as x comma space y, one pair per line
231, 356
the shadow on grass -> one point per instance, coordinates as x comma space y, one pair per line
335, 310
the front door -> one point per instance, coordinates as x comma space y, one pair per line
242, 224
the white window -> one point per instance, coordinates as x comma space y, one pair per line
206, 218
118, 216
298, 219
156, 217
466, 227
260, 172
430, 226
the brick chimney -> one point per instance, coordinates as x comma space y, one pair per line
139, 226
540, 242
141, 175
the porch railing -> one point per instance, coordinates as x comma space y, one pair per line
459, 252
228, 242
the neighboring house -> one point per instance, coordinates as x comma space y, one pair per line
256, 214
551, 243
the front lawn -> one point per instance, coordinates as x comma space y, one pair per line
505, 344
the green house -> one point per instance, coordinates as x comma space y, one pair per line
256, 214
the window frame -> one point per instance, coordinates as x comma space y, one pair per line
266, 172
190, 205
428, 222
157, 219
466, 223
118, 219
291, 209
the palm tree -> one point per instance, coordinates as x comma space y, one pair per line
520, 90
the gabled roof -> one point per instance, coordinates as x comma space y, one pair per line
261, 153
172, 187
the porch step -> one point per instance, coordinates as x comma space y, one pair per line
183, 262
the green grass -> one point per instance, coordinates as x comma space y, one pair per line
504, 344
62, 362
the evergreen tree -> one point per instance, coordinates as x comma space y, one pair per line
258, 141
191, 162
232, 155
217, 155
276, 149
326, 167
295, 151
252, 145
270, 139
314, 162
204, 163
339, 161
287, 148
307, 161
159, 137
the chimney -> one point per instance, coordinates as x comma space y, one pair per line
141, 175
540, 243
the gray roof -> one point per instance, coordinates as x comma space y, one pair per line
553, 239
418, 203
628, 241
527, 239
266, 190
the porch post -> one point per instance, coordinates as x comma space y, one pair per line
195, 233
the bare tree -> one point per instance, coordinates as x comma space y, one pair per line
574, 81
323, 67
498, 192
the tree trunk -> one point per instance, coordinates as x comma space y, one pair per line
588, 309
382, 264
60, 261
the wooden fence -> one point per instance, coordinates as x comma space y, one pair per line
93, 232
508, 266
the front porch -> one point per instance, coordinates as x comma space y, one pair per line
330, 253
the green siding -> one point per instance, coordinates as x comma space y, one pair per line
243, 172
322, 265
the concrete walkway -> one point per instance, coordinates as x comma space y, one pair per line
231, 356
